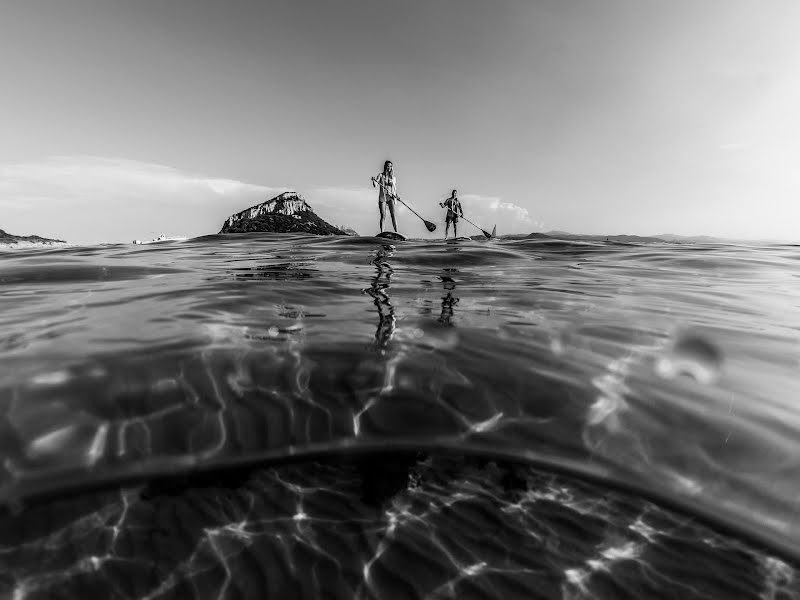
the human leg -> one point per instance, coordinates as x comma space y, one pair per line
391, 212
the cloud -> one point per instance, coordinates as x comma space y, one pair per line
491, 210
96, 199
77, 176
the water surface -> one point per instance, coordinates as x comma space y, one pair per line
302, 416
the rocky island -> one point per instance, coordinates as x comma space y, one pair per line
285, 213
28, 241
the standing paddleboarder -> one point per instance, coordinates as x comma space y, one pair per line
454, 211
387, 184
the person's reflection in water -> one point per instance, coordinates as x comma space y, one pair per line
383, 476
387, 362
448, 300
380, 283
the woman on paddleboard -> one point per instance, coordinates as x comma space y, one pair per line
387, 184
454, 211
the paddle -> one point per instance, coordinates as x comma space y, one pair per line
428, 224
486, 233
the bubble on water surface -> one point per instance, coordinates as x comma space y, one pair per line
53, 378
693, 356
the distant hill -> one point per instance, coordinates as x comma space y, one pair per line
669, 238
689, 239
707, 239
563, 235
7, 239
635, 239
285, 213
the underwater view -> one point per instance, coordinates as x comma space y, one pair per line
294, 416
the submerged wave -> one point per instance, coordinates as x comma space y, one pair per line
426, 399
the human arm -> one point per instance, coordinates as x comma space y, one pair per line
388, 185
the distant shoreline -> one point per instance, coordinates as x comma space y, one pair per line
14, 242
24, 245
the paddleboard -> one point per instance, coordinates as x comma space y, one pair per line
391, 235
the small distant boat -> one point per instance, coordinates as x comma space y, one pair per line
161, 238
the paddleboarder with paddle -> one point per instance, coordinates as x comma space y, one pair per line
387, 192
454, 211
388, 195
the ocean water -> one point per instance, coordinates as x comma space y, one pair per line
284, 416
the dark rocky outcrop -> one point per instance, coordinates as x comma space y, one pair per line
26, 240
285, 213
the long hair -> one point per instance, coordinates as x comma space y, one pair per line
386, 166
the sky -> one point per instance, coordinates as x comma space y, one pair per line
125, 120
